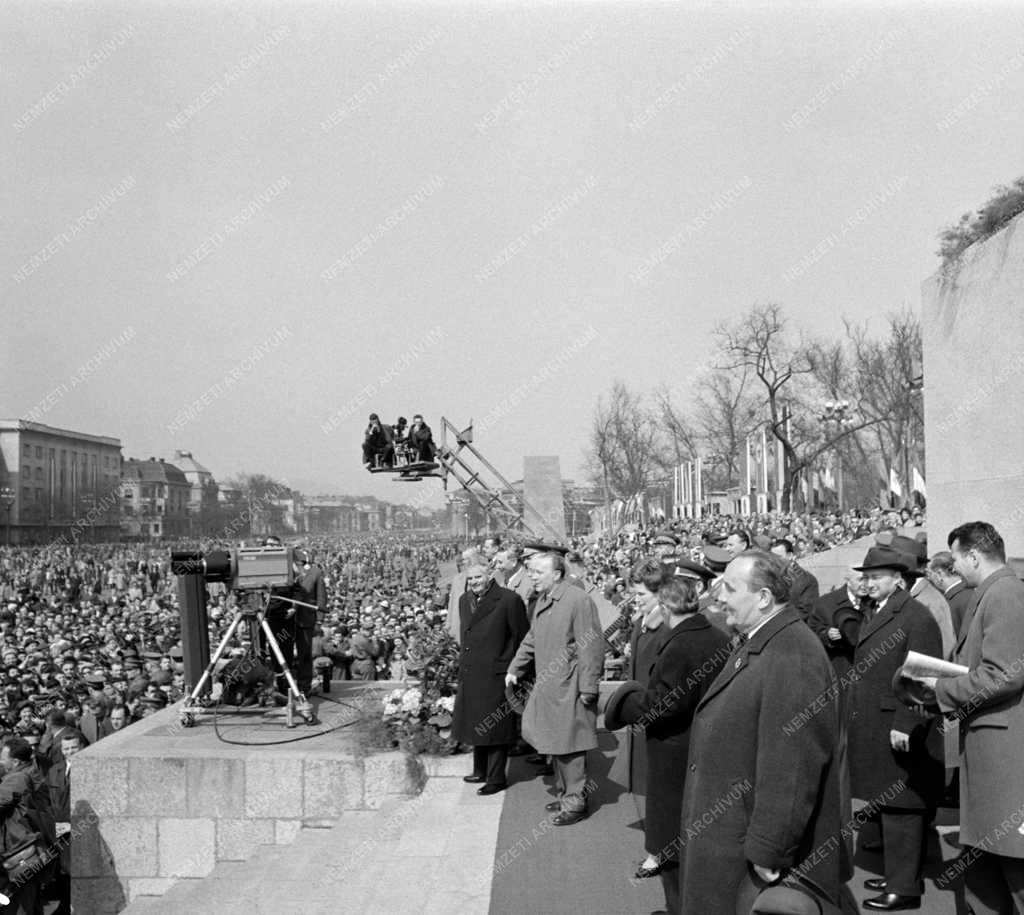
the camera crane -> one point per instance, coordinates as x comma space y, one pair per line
459, 459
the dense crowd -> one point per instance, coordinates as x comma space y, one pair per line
95, 628
90, 635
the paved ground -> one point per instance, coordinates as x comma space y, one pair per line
451, 851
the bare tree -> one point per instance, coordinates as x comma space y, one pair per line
682, 442
259, 498
761, 343
625, 449
887, 375
726, 414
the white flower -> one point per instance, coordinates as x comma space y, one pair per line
411, 700
447, 703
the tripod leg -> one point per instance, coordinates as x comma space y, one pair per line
296, 700
274, 647
197, 690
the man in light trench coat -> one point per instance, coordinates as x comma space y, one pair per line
566, 644
989, 703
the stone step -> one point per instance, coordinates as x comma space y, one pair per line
356, 834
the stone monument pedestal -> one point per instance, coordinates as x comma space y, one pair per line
542, 490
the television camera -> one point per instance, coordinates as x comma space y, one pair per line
254, 574
244, 569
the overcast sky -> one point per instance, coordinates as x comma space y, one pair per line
238, 228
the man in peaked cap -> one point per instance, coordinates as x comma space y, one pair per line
665, 545
896, 754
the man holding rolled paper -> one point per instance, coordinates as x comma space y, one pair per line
987, 701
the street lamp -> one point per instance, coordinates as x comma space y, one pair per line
7, 497
840, 413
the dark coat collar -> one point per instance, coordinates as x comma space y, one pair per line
737, 661
485, 603
693, 624
896, 602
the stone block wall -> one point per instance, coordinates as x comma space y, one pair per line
148, 810
972, 319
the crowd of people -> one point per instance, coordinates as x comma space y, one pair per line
90, 639
757, 710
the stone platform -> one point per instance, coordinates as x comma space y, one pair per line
159, 801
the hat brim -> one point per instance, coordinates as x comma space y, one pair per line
614, 706
518, 695
892, 566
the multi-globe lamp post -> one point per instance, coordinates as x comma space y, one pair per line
837, 415
7, 496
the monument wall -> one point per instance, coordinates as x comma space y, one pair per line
542, 489
973, 327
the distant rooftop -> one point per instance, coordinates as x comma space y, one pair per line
25, 425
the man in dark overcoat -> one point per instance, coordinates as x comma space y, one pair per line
803, 586
310, 593
688, 660
959, 595
492, 626
762, 793
896, 753
838, 617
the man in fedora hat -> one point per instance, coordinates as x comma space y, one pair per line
896, 757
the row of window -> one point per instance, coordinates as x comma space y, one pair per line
26, 450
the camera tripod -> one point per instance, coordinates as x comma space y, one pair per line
253, 618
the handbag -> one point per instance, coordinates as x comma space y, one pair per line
27, 858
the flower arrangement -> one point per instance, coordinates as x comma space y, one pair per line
418, 718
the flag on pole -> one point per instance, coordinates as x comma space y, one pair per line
894, 484
828, 479
918, 482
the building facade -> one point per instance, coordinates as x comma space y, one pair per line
203, 504
59, 485
154, 499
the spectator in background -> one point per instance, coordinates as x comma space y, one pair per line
365, 653
510, 562
58, 781
803, 586
737, 541
20, 821
959, 595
